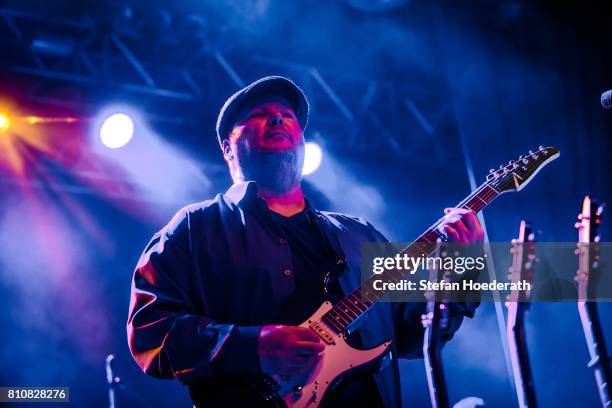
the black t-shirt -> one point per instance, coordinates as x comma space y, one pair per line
309, 256
312, 256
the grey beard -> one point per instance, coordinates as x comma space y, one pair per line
280, 172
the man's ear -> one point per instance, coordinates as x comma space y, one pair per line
227, 150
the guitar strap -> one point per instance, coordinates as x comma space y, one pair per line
335, 265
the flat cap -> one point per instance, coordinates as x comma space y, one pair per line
273, 86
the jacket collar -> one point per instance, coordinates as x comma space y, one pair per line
244, 190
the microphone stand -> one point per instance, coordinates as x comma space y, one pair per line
111, 380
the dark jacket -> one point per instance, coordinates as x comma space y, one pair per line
210, 279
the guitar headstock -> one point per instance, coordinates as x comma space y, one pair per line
523, 261
515, 175
589, 221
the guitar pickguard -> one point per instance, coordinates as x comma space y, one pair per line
338, 360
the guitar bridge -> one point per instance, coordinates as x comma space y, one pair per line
323, 331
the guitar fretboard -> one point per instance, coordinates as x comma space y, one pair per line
353, 306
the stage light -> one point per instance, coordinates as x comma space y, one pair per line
116, 130
5, 123
312, 158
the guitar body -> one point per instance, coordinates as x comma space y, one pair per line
339, 360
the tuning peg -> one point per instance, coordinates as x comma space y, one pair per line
491, 170
541, 147
531, 152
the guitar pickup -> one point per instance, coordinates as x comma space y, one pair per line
323, 331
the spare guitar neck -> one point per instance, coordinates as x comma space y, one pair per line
588, 224
522, 269
435, 320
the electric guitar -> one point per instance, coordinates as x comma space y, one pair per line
434, 321
522, 269
588, 269
332, 323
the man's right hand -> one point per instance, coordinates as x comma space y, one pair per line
288, 350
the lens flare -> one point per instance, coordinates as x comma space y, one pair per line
5, 123
312, 158
20, 142
117, 130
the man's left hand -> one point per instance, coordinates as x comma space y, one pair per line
461, 226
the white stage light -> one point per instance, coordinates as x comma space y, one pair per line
312, 158
116, 130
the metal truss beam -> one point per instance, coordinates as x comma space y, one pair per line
372, 113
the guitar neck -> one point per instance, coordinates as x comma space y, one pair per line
435, 320
588, 269
517, 345
434, 368
600, 359
522, 269
346, 313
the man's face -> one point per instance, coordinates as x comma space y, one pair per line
267, 145
267, 126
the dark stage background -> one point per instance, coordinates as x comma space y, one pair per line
394, 92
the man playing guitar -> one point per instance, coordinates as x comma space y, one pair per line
219, 292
